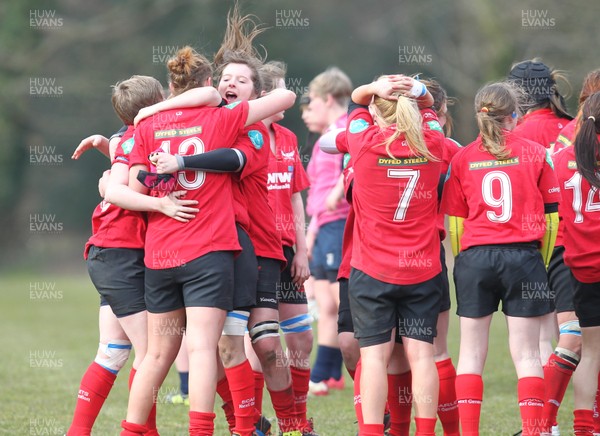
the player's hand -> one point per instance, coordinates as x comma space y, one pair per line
174, 206
98, 142
310, 243
389, 87
103, 183
144, 113
165, 163
300, 269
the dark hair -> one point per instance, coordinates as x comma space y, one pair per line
587, 147
188, 69
133, 94
591, 84
540, 84
439, 98
237, 47
270, 73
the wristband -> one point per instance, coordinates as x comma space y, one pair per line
418, 89
180, 162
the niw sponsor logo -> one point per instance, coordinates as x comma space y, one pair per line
413, 54
44, 291
44, 18
45, 426
44, 359
414, 259
537, 18
162, 53
44, 155
291, 18
279, 180
44, 223
44, 87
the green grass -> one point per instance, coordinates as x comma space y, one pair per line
49, 331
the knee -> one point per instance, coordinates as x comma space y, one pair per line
113, 355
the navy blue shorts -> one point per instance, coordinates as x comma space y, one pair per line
327, 251
287, 291
560, 281
344, 315
245, 276
587, 301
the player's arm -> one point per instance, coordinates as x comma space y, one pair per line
202, 96
119, 193
547, 247
456, 228
389, 87
221, 160
269, 104
335, 195
299, 269
328, 141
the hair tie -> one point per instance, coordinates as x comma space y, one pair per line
591, 117
484, 109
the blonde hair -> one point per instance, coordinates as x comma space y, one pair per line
405, 114
237, 47
270, 73
334, 82
188, 69
493, 103
133, 94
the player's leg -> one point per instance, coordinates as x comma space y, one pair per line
399, 391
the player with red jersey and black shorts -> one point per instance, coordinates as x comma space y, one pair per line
577, 169
395, 281
502, 197
115, 259
546, 116
189, 265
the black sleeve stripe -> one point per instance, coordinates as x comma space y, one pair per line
355, 106
550, 208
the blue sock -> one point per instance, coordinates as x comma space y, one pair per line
321, 369
183, 382
336, 364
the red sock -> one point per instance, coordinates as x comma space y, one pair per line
584, 422
131, 429
151, 423
283, 404
400, 402
425, 426
225, 394
300, 379
357, 399
557, 374
241, 386
447, 407
531, 404
371, 430
597, 409
95, 386
259, 386
202, 424
469, 394
351, 372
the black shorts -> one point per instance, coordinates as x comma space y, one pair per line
245, 273
344, 315
560, 281
206, 281
512, 273
287, 291
269, 274
586, 298
445, 302
327, 251
377, 307
118, 275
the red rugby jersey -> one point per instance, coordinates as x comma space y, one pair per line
395, 202
502, 201
348, 237
113, 227
286, 177
541, 126
170, 243
580, 211
451, 147
253, 187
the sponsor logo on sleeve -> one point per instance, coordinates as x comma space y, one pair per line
434, 125
549, 159
232, 105
127, 146
256, 138
358, 125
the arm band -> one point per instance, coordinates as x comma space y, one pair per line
327, 141
549, 237
119, 134
418, 89
455, 230
354, 106
221, 160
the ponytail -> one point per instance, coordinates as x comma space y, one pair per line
587, 147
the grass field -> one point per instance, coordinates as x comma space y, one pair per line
50, 335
